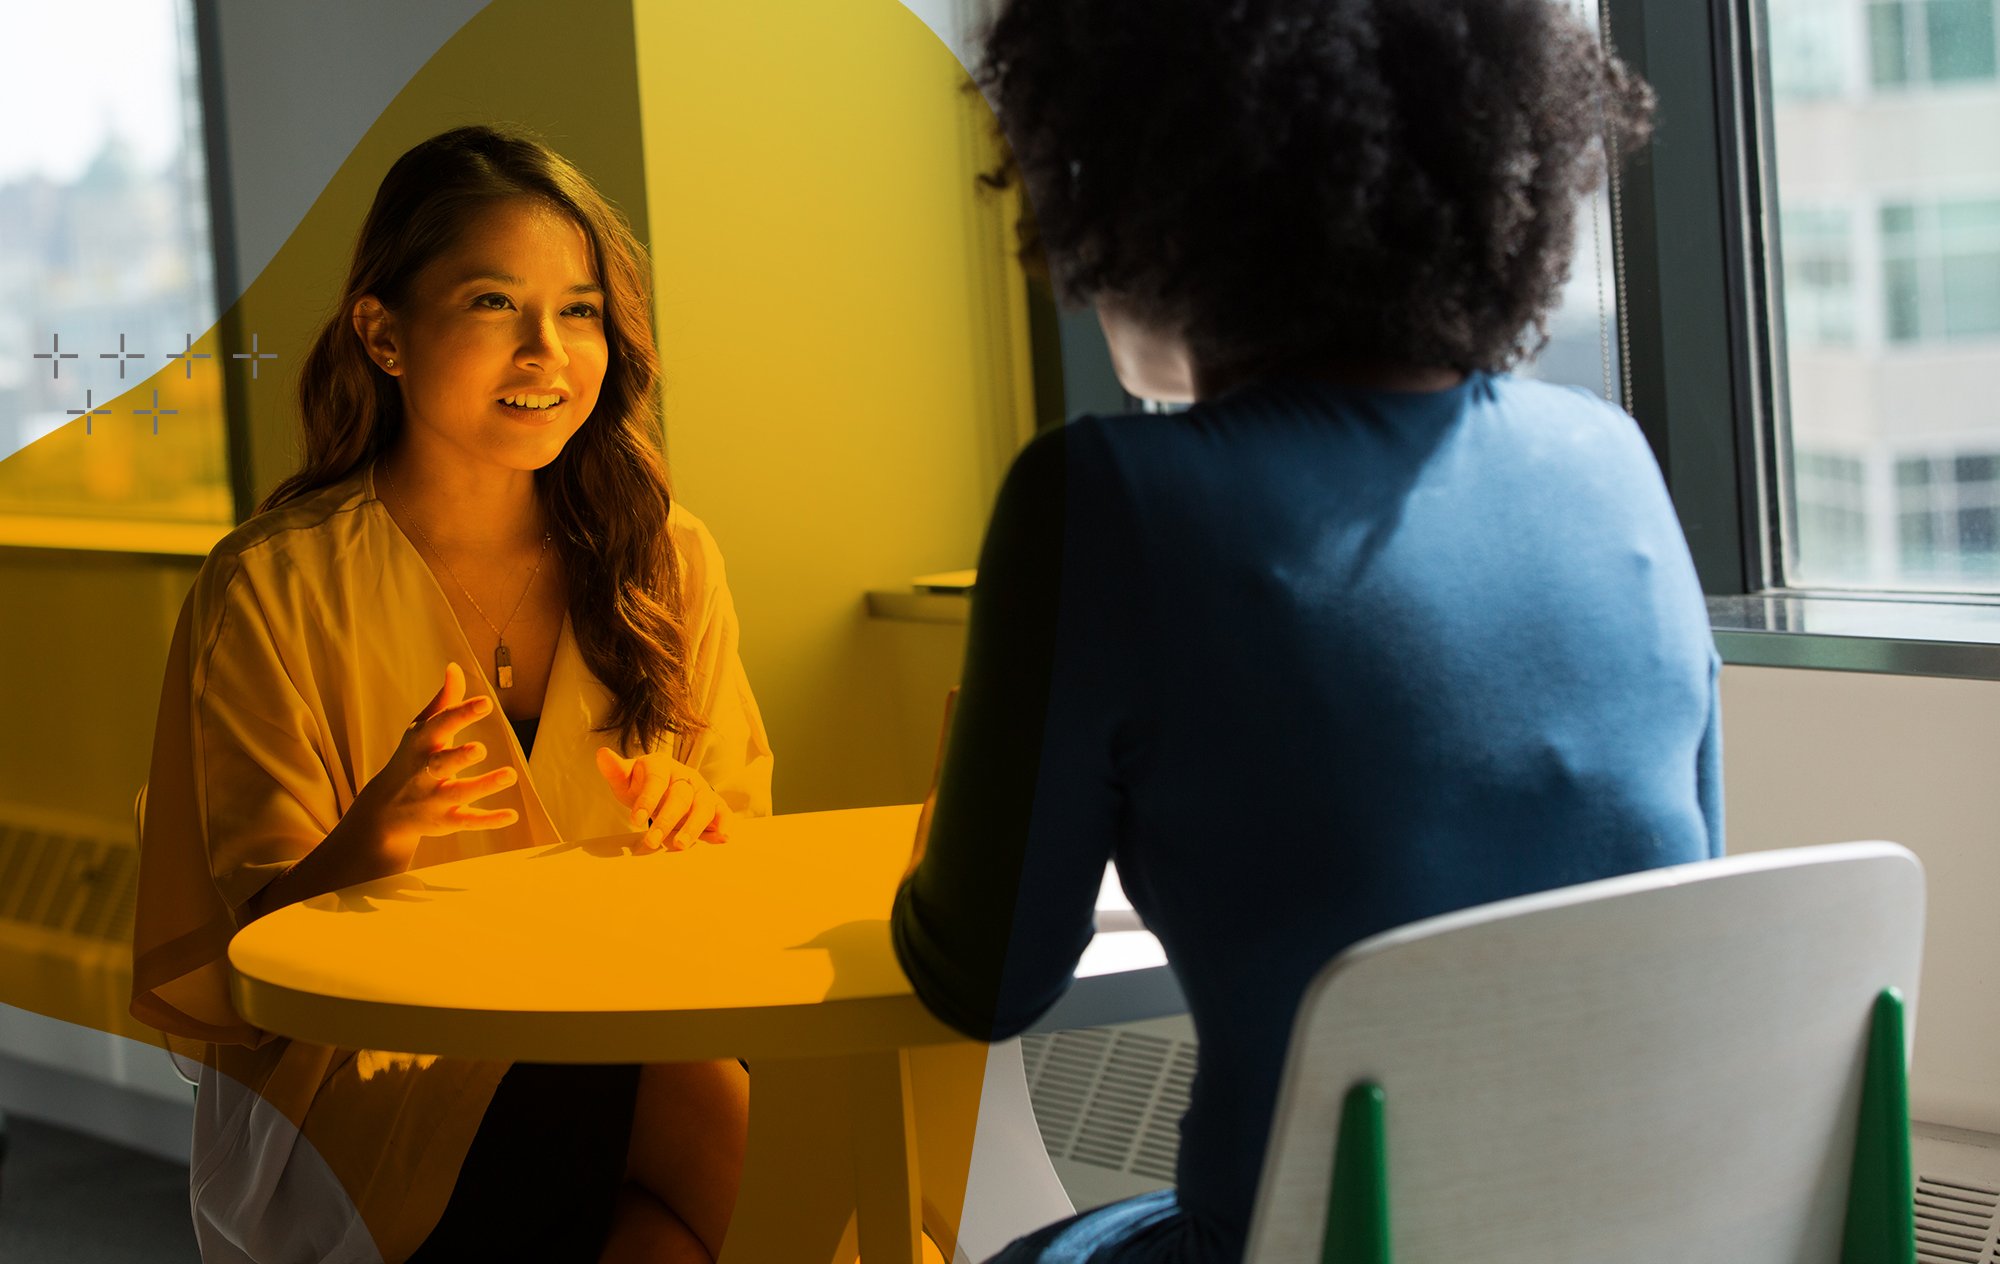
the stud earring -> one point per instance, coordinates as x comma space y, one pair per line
389, 363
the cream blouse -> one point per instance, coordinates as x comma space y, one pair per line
314, 634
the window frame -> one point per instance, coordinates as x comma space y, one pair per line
223, 244
1701, 304
1695, 295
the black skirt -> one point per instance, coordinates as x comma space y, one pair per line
542, 1177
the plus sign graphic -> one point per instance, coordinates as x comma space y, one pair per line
253, 355
87, 412
121, 355
155, 412
188, 355
55, 355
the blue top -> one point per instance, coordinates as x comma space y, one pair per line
1309, 662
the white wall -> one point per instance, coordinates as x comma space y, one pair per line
1820, 757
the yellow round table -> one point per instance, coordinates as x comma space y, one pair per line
773, 948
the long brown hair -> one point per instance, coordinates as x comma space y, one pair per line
607, 492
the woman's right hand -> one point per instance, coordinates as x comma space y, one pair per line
417, 794
414, 796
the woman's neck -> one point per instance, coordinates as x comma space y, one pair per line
462, 508
1369, 375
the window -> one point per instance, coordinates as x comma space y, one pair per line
1930, 41
1812, 47
1948, 518
1833, 514
1819, 276
1888, 270
106, 274
1583, 346
1941, 269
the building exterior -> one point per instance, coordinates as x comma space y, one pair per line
1886, 115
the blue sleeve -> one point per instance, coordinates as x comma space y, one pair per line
990, 925
1708, 763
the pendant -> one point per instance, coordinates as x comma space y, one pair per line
503, 666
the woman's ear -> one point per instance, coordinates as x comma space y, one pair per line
1150, 362
376, 328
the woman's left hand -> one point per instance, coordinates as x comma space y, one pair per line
679, 805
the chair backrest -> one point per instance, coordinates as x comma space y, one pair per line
1665, 1066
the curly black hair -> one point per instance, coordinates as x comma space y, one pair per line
1287, 180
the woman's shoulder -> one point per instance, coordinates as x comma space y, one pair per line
320, 517
695, 547
1516, 384
311, 534
1574, 428
1560, 402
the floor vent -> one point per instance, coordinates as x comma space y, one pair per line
1957, 1221
1111, 1098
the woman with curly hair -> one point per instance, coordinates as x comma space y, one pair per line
482, 486
1373, 631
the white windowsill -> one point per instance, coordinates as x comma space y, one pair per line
110, 536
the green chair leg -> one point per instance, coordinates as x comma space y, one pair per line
1881, 1216
1357, 1209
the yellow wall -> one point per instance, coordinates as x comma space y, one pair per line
82, 643
844, 354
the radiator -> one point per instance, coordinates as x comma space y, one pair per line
1108, 1101
1958, 1196
70, 1052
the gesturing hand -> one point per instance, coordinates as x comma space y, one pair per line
417, 794
669, 796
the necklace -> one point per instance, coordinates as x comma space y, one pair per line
503, 663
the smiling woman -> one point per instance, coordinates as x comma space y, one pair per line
482, 483
535, 328
471, 447
479, 275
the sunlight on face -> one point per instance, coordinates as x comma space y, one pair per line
515, 307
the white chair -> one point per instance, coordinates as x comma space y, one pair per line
1663, 1067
